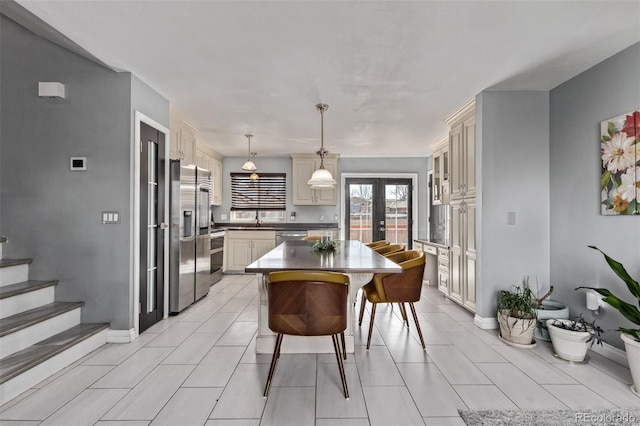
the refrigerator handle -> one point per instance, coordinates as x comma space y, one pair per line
187, 224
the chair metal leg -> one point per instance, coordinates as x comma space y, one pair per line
373, 315
344, 345
336, 347
415, 318
274, 362
363, 302
403, 312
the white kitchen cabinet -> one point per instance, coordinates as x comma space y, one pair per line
216, 180
183, 139
462, 286
244, 247
209, 159
443, 270
462, 140
440, 188
303, 167
462, 148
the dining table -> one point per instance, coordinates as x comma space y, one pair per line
349, 256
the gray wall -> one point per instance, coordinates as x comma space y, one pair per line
310, 214
513, 169
578, 106
50, 213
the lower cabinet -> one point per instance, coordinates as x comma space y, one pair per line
443, 270
462, 286
244, 247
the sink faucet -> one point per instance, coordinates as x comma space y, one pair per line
258, 221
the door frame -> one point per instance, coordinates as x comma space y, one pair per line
414, 195
134, 264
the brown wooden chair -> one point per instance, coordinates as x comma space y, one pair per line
401, 288
308, 303
377, 243
312, 238
389, 248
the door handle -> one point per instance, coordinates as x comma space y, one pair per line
163, 226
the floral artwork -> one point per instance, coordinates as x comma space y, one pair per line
620, 148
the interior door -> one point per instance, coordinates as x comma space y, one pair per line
152, 225
379, 209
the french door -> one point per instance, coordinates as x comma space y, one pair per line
152, 225
379, 209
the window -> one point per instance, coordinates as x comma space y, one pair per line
265, 199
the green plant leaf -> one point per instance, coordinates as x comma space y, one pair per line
619, 270
610, 128
606, 138
606, 176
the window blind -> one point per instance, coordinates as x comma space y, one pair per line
267, 193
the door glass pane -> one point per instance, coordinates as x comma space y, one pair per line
396, 213
152, 215
360, 208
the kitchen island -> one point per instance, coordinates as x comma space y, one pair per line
351, 257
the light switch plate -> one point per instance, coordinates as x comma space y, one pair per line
511, 218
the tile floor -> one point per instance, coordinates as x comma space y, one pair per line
200, 368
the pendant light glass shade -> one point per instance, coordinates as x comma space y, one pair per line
321, 178
249, 165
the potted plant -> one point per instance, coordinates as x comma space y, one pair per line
630, 336
516, 316
546, 309
572, 338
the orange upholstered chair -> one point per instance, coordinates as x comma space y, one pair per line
401, 288
377, 243
389, 248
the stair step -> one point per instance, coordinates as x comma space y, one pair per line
36, 354
33, 316
5, 263
24, 287
14, 271
26, 295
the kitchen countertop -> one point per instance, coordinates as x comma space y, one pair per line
274, 226
434, 243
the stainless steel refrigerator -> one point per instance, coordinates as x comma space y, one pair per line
190, 239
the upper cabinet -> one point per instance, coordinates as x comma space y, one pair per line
209, 159
183, 139
462, 146
303, 167
440, 188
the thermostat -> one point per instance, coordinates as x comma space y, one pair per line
78, 163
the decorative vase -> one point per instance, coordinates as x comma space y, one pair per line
568, 344
551, 310
516, 330
632, 346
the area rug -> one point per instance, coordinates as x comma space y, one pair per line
581, 417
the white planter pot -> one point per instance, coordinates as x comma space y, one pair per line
633, 356
552, 310
517, 330
568, 344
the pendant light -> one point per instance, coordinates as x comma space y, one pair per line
254, 176
321, 178
249, 165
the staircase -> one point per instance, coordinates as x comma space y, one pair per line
38, 336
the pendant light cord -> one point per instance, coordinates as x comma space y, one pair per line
322, 108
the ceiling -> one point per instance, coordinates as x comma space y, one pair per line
390, 71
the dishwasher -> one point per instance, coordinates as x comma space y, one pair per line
282, 236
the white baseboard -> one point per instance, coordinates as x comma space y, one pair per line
490, 323
611, 352
121, 336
